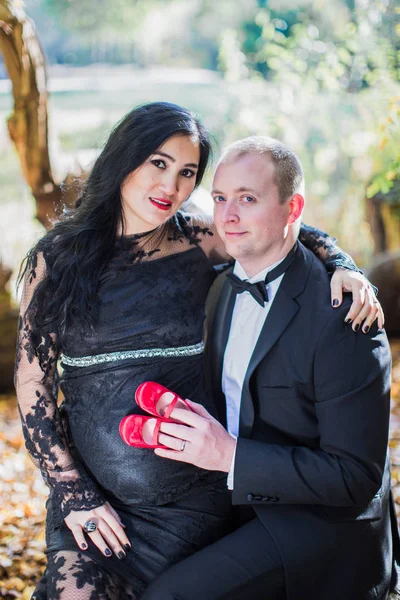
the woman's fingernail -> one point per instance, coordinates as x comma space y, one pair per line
356, 327
84, 546
127, 547
335, 302
121, 555
366, 329
107, 552
348, 321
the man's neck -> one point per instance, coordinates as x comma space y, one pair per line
252, 267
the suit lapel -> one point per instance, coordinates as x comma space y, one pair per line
283, 310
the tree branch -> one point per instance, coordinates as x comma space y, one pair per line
27, 125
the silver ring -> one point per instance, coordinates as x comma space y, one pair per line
89, 526
183, 444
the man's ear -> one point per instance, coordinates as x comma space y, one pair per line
296, 205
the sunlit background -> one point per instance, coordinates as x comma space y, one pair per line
321, 75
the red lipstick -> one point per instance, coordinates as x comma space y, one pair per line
161, 203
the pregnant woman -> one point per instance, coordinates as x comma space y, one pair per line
117, 291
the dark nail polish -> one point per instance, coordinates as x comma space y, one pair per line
335, 302
107, 552
121, 555
366, 329
127, 547
348, 321
84, 546
356, 327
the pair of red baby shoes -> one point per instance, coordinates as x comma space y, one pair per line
147, 396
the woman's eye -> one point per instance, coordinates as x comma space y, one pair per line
157, 162
187, 173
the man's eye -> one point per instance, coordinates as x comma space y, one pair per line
248, 199
157, 162
188, 173
219, 198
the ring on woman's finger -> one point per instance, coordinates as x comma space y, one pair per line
90, 526
183, 444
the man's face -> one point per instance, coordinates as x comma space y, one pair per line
247, 213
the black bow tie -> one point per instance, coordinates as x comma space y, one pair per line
258, 290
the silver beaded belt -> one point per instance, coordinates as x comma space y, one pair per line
97, 359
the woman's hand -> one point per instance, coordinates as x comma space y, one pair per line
109, 532
365, 307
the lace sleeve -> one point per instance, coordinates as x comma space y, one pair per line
324, 246
36, 384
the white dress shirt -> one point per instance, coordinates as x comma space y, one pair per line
248, 318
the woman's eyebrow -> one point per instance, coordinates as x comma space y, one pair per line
172, 159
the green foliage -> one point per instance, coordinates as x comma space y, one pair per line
387, 157
323, 44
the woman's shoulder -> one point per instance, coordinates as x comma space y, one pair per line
199, 229
195, 227
38, 263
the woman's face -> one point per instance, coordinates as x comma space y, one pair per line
157, 189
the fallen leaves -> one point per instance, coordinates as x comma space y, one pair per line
22, 517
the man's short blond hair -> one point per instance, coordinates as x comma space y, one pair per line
288, 177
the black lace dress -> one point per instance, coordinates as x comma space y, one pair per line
152, 298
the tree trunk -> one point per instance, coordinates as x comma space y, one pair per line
383, 215
27, 124
378, 230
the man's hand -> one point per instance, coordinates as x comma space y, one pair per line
365, 305
207, 444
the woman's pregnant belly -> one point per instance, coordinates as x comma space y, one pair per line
95, 403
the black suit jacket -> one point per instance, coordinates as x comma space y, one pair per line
311, 456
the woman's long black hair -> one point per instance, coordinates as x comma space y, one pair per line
79, 246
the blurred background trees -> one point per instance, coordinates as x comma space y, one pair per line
321, 74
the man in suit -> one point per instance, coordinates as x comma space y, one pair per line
304, 404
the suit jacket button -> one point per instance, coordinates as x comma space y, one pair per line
250, 497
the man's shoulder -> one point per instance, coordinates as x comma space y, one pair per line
315, 265
317, 289
311, 270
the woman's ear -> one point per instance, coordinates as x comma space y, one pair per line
296, 208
